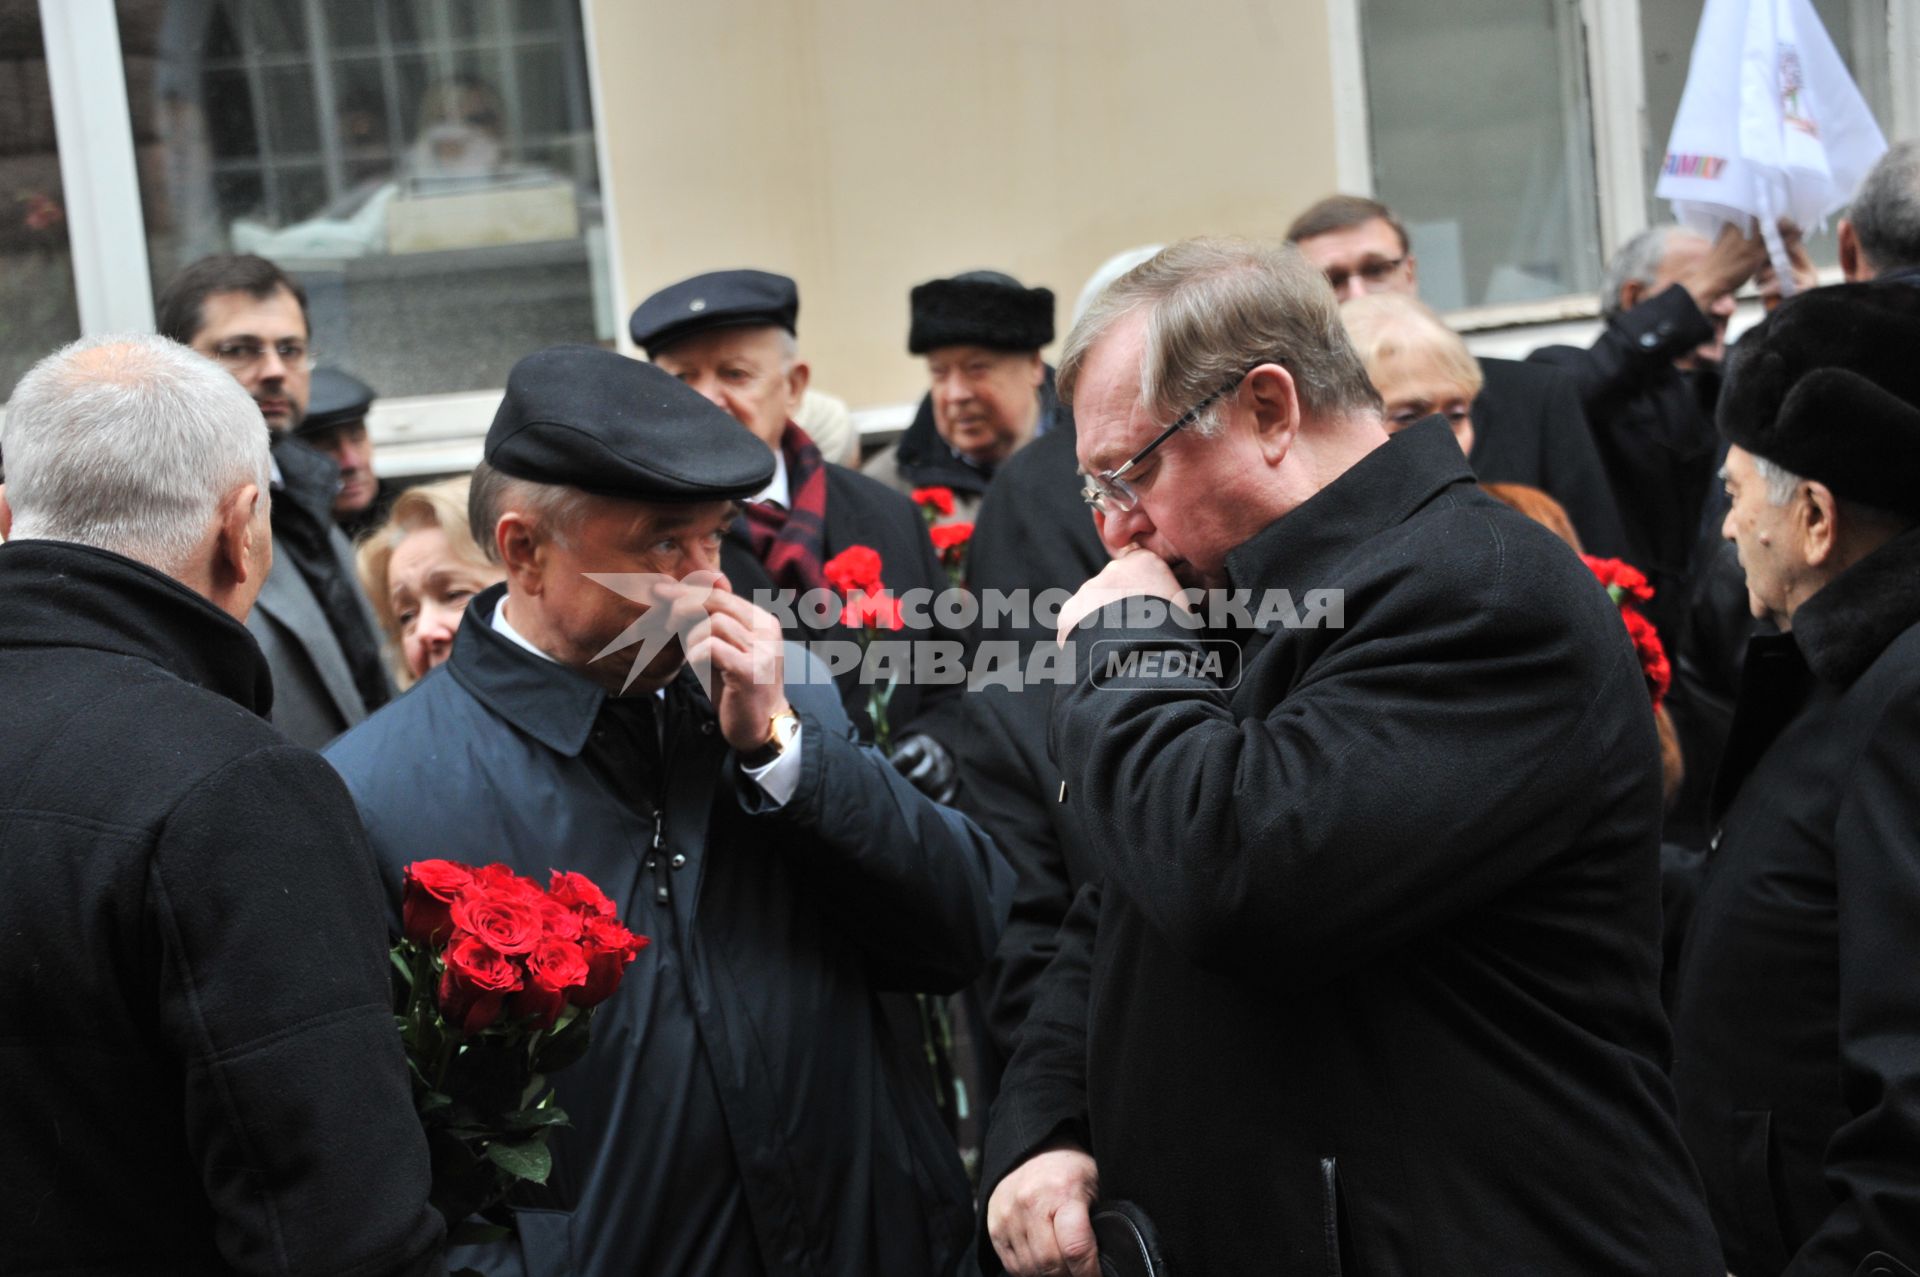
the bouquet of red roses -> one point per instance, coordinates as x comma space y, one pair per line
499, 981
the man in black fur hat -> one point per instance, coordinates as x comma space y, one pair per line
1797, 1012
992, 394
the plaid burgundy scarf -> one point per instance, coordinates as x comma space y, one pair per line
791, 543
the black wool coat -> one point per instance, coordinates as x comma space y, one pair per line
742, 1109
1529, 427
1370, 983
1035, 531
200, 1064
1653, 426
864, 511
1797, 1011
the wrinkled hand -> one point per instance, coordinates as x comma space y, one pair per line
1735, 257
1038, 1216
737, 652
926, 762
1136, 571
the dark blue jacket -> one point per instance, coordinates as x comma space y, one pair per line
740, 1110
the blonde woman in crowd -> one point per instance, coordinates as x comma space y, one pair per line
420, 569
1418, 364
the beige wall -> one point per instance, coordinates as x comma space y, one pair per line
863, 146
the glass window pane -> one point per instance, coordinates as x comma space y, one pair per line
37, 308
423, 167
1496, 188
1858, 29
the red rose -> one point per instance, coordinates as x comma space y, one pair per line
509, 922
878, 611
949, 535
476, 981
553, 967
940, 499
565, 923
854, 569
432, 887
498, 879
609, 948
577, 891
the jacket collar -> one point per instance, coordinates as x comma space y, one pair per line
308, 477
1842, 629
57, 594
555, 705
1301, 549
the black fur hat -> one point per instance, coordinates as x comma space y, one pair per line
980, 308
1828, 387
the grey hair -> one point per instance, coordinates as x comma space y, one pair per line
1886, 212
1217, 307
555, 508
1781, 482
1637, 262
129, 443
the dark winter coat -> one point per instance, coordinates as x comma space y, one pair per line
864, 511
1653, 425
1370, 986
1528, 427
199, 1061
740, 1110
1797, 1014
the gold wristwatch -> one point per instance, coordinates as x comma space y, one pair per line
781, 729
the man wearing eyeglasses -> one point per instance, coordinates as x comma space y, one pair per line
1528, 424
318, 633
1371, 982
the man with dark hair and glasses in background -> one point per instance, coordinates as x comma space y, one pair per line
1528, 423
319, 635
1370, 984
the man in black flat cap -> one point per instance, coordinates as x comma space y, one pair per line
1797, 1008
740, 1112
731, 336
336, 424
992, 394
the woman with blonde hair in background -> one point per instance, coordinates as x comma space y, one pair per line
419, 570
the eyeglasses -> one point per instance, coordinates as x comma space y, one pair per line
242, 355
1375, 270
1110, 494
1455, 415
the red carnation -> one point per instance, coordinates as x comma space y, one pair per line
432, 887
1622, 580
609, 948
878, 611
476, 981
949, 535
1652, 654
854, 569
577, 891
554, 966
506, 920
938, 499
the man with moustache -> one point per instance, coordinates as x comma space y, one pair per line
319, 635
741, 1111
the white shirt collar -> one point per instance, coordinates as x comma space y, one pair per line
776, 489
502, 627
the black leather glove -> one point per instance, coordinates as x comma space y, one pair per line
926, 762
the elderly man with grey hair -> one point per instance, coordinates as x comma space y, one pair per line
1369, 982
199, 1054
1880, 235
1648, 385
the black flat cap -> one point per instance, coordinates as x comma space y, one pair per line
592, 419
1828, 388
718, 299
337, 399
980, 308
